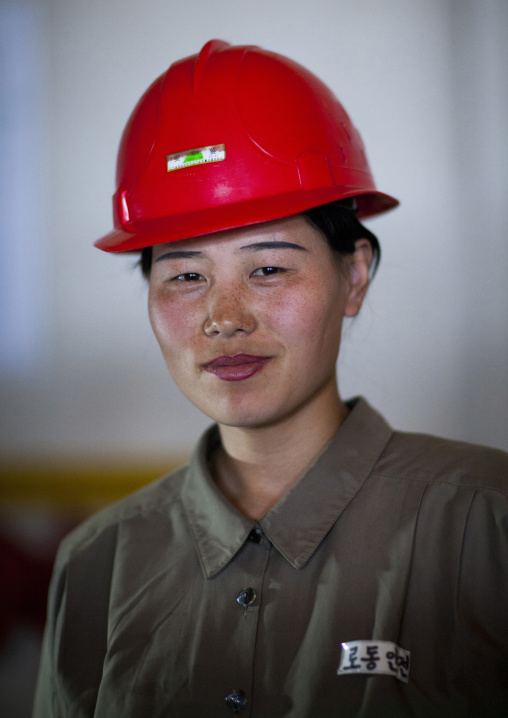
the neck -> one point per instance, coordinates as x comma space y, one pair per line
257, 466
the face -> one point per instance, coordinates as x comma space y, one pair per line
249, 320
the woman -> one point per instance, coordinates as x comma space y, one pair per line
309, 561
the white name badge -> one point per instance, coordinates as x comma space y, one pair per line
374, 658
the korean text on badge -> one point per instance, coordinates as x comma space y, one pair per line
374, 658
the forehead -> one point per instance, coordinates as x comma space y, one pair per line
295, 230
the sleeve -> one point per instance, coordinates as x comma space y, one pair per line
76, 635
483, 602
484, 570
46, 702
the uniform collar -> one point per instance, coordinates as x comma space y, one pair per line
298, 523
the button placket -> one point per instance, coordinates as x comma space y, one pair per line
249, 568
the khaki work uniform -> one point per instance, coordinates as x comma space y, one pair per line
172, 603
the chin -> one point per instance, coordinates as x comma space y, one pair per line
237, 416
241, 421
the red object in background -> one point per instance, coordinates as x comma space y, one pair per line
25, 575
25, 581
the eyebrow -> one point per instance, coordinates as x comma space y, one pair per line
180, 254
258, 246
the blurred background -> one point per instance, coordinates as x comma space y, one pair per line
88, 411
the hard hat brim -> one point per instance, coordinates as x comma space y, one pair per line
145, 233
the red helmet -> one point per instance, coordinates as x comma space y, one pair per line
234, 136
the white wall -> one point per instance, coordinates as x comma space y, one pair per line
426, 83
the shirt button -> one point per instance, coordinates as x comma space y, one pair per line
255, 536
236, 700
246, 597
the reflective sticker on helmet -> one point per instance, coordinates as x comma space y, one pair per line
198, 156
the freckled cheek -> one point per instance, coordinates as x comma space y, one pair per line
300, 319
174, 329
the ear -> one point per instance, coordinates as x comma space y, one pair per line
359, 278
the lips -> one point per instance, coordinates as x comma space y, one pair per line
236, 368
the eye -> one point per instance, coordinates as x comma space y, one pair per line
188, 277
267, 271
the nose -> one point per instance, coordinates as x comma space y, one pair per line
229, 313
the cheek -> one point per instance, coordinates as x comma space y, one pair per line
309, 318
172, 326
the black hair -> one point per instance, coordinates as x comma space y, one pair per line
145, 262
337, 222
